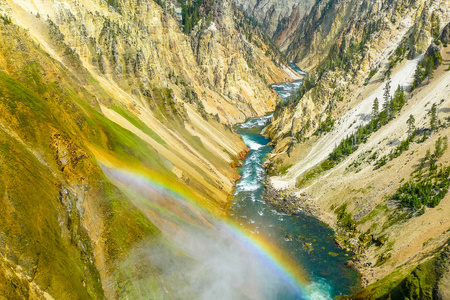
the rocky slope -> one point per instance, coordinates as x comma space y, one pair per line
278, 18
358, 53
332, 22
288, 26
144, 41
342, 166
87, 87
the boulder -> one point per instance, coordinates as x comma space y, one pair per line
445, 35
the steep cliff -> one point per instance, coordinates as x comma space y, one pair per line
287, 27
351, 54
331, 23
364, 135
139, 44
268, 12
279, 19
87, 87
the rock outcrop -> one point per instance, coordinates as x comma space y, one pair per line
445, 35
340, 167
90, 89
268, 12
353, 44
279, 19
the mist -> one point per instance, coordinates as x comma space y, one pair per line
197, 256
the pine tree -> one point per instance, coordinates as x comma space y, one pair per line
411, 124
387, 98
435, 27
440, 146
433, 117
427, 157
399, 99
375, 108
387, 90
417, 76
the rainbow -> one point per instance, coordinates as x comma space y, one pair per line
270, 254
291, 271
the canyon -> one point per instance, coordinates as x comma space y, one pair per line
127, 136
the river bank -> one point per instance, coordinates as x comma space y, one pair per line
305, 240
293, 204
388, 240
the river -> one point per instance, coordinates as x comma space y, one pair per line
304, 240
257, 253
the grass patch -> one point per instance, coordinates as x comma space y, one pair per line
379, 288
378, 210
423, 281
15, 93
139, 124
284, 169
312, 173
344, 218
54, 253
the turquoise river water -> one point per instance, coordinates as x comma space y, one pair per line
305, 240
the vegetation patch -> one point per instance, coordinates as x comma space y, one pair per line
382, 258
391, 107
325, 126
426, 66
430, 182
425, 133
379, 209
139, 124
404, 145
6, 19
194, 10
345, 219
371, 74
350, 144
341, 56
312, 173
423, 281
284, 169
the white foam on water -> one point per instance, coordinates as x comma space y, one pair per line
253, 159
246, 125
319, 290
288, 89
278, 213
252, 144
249, 186
246, 174
257, 122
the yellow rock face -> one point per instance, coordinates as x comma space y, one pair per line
84, 87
